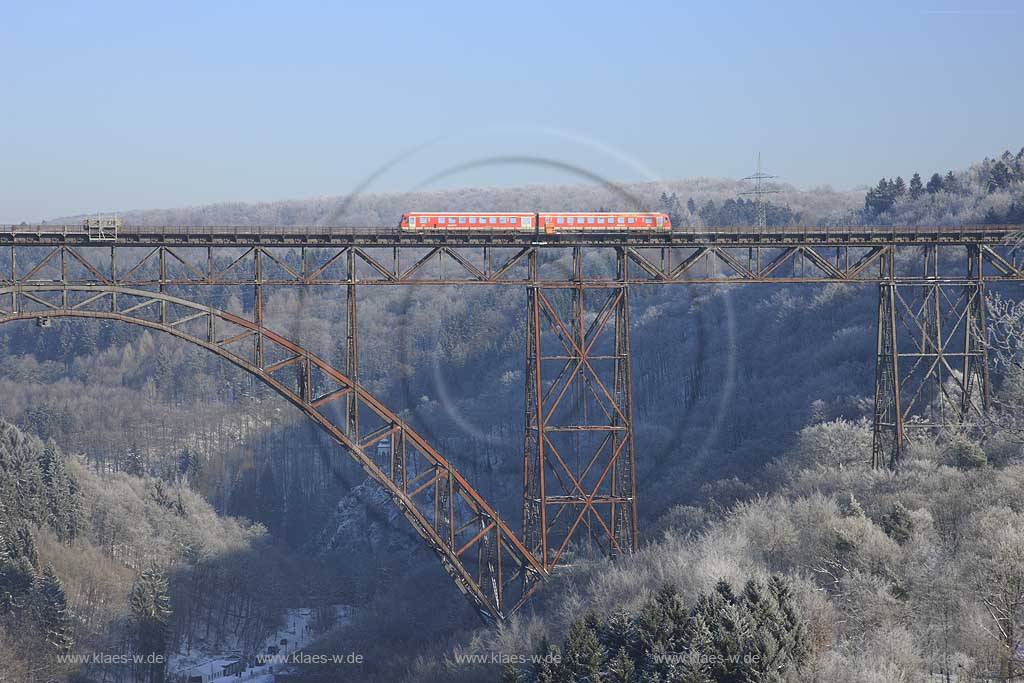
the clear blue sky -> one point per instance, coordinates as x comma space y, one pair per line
113, 106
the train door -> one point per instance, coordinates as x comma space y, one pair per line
527, 222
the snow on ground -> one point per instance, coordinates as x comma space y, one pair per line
297, 631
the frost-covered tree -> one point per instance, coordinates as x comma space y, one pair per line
996, 570
150, 609
54, 619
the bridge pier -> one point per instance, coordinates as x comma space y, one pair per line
352, 350
931, 366
579, 468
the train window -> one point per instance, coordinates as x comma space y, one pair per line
579, 220
600, 220
590, 220
502, 220
451, 220
512, 220
462, 220
561, 220
493, 220
423, 220
472, 220
622, 220
631, 220
648, 221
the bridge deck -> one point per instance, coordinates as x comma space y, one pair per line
314, 236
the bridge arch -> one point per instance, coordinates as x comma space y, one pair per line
487, 561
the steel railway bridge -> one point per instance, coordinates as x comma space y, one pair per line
931, 347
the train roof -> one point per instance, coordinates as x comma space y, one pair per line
603, 213
465, 213
542, 213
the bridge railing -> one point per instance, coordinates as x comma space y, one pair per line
740, 234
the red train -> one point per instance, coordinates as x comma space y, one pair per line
551, 222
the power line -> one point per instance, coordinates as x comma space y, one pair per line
759, 192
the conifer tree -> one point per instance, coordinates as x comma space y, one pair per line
510, 674
23, 544
949, 183
52, 611
897, 523
189, 466
133, 463
881, 197
797, 641
583, 657
899, 187
695, 666
728, 625
63, 508
28, 482
621, 669
17, 581
620, 632
548, 664
18, 563
999, 177
764, 648
916, 186
150, 608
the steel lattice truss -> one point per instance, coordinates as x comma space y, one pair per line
932, 365
579, 487
319, 256
486, 560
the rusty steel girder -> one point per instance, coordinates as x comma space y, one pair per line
579, 484
484, 557
710, 258
579, 471
932, 355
